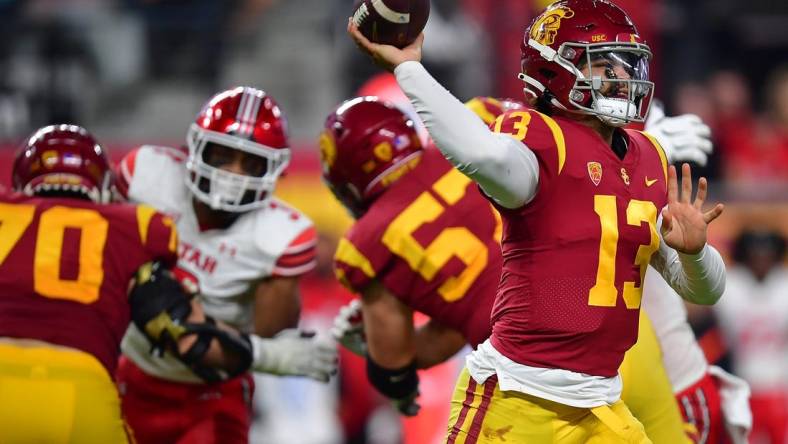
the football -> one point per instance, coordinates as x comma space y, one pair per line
391, 22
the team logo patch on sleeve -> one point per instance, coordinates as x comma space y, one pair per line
595, 172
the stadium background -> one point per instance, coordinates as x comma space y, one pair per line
137, 71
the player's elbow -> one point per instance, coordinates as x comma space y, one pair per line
707, 294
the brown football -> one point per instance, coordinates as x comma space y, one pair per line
391, 22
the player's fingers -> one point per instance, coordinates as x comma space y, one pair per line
667, 220
713, 213
362, 42
703, 187
689, 119
327, 362
705, 142
700, 157
686, 183
673, 186
318, 376
416, 43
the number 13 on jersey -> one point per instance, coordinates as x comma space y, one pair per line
604, 292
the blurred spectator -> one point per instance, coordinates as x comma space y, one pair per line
754, 316
757, 151
186, 37
456, 50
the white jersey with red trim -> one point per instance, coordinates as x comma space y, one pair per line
683, 358
275, 240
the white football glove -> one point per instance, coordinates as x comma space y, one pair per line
684, 138
348, 328
295, 353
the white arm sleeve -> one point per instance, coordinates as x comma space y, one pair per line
697, 278
505, 169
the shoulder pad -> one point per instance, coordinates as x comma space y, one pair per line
153, 175
539, 132
280, 218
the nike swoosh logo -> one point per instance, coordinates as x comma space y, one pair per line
650, 182
397, 378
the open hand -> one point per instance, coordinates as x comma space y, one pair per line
387, 57
684, 223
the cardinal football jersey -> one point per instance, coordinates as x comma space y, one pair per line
575, 256
432, 240
65, 268
275, 240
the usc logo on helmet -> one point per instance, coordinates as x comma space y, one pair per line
328, 150
546, 26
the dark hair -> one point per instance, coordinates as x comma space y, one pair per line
543, 104
749, 240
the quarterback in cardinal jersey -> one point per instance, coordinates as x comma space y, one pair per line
586, 207
244, 248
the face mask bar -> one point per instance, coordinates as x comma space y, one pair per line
226, 191
612, 111
612, 108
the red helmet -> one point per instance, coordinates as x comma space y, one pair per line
366, 145
489, 108
571, 35
63, 159
245, 119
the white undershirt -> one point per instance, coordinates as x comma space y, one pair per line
508, 172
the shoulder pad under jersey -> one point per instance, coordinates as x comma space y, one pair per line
286, 235
153, 175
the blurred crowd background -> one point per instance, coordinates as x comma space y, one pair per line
137, 71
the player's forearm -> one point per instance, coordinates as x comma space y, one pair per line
388, 326
436, 344
503, 168
390, 345
698, 278
277, 306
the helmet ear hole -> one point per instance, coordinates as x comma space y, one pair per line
547, 73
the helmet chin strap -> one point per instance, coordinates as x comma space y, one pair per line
614, 112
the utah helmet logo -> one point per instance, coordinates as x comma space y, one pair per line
595, 172
546, 26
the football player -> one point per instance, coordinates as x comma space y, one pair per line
246, 249
714, 403
74, 270
356, 136
424, 240
585, 207
710, 416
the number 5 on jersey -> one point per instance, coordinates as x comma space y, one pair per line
451, 242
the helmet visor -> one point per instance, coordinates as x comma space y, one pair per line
612, 81
613, 72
